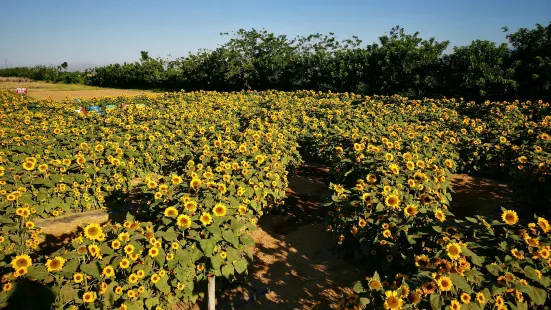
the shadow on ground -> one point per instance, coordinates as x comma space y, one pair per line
479, 196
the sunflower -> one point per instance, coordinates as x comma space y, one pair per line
518, 296
439, 215
195, 183
93, 231
219, 209
118, 290
410, 165
532, 242
183, 221
392, 201
124, 263
410, 210
393, 301
140, 273
133, 278
206, 219
124, 236
375, 284
544, 224
7, 287
429, 288
455, 305
191, 206
20, 272
499, 301
454, 250
509, 217
242, 209
155, 278
465, 298
414, 297
260, 158
42, 168
89, 297
55, 264
108, 272
480, 298
223, 254
129, 249
176, 180
82, 250
422, 261
545, 136
153, 252
158, 195
21, 261
171, 212
78, 277
371, 178
27, 165
444, 283
115, 244
419, 176
387, 233
544, 252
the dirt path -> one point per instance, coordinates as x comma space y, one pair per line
293, 257
479, 196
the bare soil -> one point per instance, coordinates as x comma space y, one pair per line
59, 92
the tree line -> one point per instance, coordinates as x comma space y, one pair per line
399, 63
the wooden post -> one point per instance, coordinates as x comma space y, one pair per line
212, 297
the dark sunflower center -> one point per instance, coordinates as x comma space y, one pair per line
93, 231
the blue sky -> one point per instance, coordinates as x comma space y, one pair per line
107, 31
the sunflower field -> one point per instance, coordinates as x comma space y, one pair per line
201, 168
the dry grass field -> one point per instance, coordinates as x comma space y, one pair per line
43, 90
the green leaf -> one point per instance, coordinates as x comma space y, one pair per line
208, 246
461, 283
358, 287
246, 239
151, 302
38, 272
163, 286
240, 265
70, 268
539, 296
216, 262
68, 293
493, 269
170, 234
230, 237
227, 271
530, 272
436, 301
93, 269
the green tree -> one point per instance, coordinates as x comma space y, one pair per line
532, 56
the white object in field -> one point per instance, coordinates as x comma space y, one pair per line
211, 296
22, 90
